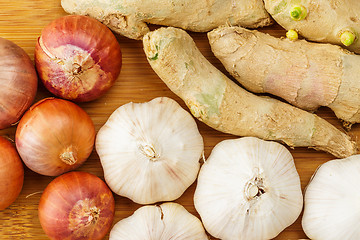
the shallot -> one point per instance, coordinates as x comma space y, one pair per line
18, 82
11, 173
76, 205
78, 58
54, 136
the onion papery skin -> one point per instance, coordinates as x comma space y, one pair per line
11, 173
18, 82
54, 136
76, 205
77, 58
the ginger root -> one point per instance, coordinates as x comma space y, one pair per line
129, 18
329, 21
221, 104
308, 75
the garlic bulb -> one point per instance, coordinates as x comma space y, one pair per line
161, 222
248, 189
332, 207
150, 151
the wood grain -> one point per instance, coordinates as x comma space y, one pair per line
21, 21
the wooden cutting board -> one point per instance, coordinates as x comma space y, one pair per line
22, 21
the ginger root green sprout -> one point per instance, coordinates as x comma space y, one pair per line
292, 35
347, 38
298, 12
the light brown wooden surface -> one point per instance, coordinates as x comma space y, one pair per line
22, 21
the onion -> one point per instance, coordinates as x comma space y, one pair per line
76, 205
11, 173
54, 136
77, 58
18, 82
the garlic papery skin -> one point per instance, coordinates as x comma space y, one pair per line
248, 189
150, 151
332, 201
160, 222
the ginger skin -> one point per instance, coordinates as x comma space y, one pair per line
130, 18
307, 75
221, 104
322, 20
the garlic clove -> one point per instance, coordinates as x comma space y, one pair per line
248, 189
150, 151
161, 222
332, 209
